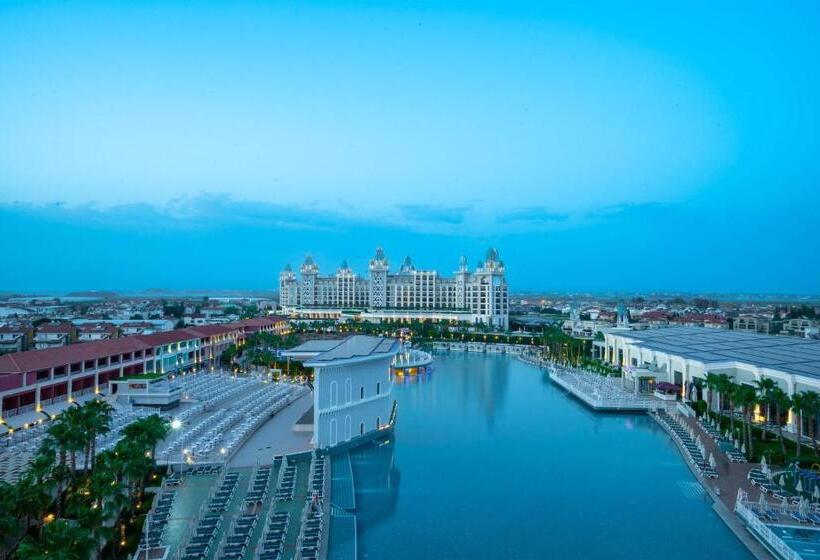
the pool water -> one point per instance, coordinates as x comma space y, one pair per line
806, 542
490, 460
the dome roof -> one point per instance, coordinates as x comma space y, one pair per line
309, 260
463, 260
344, 265
492, 255
287, 268
379, 254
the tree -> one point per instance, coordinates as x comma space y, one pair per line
59, 540
765, 386
799, 403
712, 382
781, 401
811, 403
745, 397
9, 522
98, 422
75, 437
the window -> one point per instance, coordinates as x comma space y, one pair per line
361, 429
348, 423
334, 393
378, 422
333, 429
361, 392
348, 390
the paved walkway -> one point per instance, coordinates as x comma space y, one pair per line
723, 490
276, 437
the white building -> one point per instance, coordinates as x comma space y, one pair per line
351, 395
478, 296
681, 355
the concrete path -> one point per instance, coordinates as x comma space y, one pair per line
275, 437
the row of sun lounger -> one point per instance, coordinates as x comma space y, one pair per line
270, 547
287, 483
310, 537
684, 440
224, 494
237, 542
158, 519
200, 543
734, 455
259, 487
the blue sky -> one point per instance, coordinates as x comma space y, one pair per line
600, 146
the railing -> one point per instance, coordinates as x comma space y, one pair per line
762, 531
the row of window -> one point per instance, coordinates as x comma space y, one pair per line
334, 392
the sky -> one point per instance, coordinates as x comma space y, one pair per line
600, 146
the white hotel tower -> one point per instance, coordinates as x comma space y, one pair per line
479, 296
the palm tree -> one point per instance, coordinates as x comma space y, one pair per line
781, 401
76, 438
712, 382
765, 386
746, 397
728, 388
812, 404
98, 420
799, 402
59, 540
9, 522
32, 500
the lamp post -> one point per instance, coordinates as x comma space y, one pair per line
176, 424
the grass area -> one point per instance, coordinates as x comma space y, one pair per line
144, 377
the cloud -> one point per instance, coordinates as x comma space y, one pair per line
436, 214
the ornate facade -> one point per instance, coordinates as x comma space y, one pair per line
478, 296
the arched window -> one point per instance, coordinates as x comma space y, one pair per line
333, 428
378, 388
378, 422
348, 390
361, 429
348, 427
334, 393
361, 392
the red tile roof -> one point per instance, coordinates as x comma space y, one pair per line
56, 328
33, 360
167, 337
211, 330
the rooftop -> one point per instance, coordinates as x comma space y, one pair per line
783, 353
321, 352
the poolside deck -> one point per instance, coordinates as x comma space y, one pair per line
604, 393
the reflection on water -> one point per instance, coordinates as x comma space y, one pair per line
496, 462
377, 482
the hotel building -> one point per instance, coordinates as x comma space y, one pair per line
478, 296
37, 384
351, 396
681, 355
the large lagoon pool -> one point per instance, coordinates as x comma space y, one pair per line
490, 460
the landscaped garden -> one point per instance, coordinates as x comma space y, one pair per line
60, 509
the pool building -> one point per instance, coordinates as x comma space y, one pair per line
685, 355
352, 386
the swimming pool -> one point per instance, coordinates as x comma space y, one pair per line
490, 460
806, 542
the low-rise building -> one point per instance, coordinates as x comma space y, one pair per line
352, 386
89, 332
685, 355
54, 335
16, 337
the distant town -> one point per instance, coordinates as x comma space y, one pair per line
38, 322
